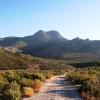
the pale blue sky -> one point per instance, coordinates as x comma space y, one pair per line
71, 18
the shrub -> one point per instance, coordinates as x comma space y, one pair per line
38, 76
11, 91
12, 76
26, 75
3, 81
48, 75
27, 91
25, 82
36, 85
34, 76
96, 91
85, 87
78, 77
89, 81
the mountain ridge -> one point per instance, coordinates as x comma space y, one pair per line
50, 44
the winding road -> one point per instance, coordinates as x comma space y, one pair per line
57, 88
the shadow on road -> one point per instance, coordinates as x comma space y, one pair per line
64, 89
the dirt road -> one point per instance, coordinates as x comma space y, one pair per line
57, 88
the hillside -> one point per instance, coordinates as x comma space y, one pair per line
16, 61
51, 44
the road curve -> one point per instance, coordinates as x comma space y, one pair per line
57, 88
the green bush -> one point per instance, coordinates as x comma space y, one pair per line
25, 82
48, 75
3, 81
26, 75
96, 91
34, 76
86, 86
38, 76
78, 78
89, 81
11, 91
12, 76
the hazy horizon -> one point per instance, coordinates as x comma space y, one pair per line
71, 18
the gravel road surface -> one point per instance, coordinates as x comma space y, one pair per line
57, 88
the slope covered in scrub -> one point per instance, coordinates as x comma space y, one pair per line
16, 61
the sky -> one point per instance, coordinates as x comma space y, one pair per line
72, 18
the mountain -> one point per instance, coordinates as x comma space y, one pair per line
51, 44
45, 36
44, 44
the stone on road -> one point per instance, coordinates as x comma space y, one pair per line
57, 88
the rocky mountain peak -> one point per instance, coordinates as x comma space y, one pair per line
48, 35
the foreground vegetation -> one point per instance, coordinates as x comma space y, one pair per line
17, 84
89, 79
22, 75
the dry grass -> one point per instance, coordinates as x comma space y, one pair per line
27, 91
36, 85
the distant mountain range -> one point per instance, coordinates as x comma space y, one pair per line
50, 44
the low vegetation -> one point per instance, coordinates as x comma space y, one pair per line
23, 75
89, 81
27, 91
86, 64
17, 84
10, 61
36, 85
11, 91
